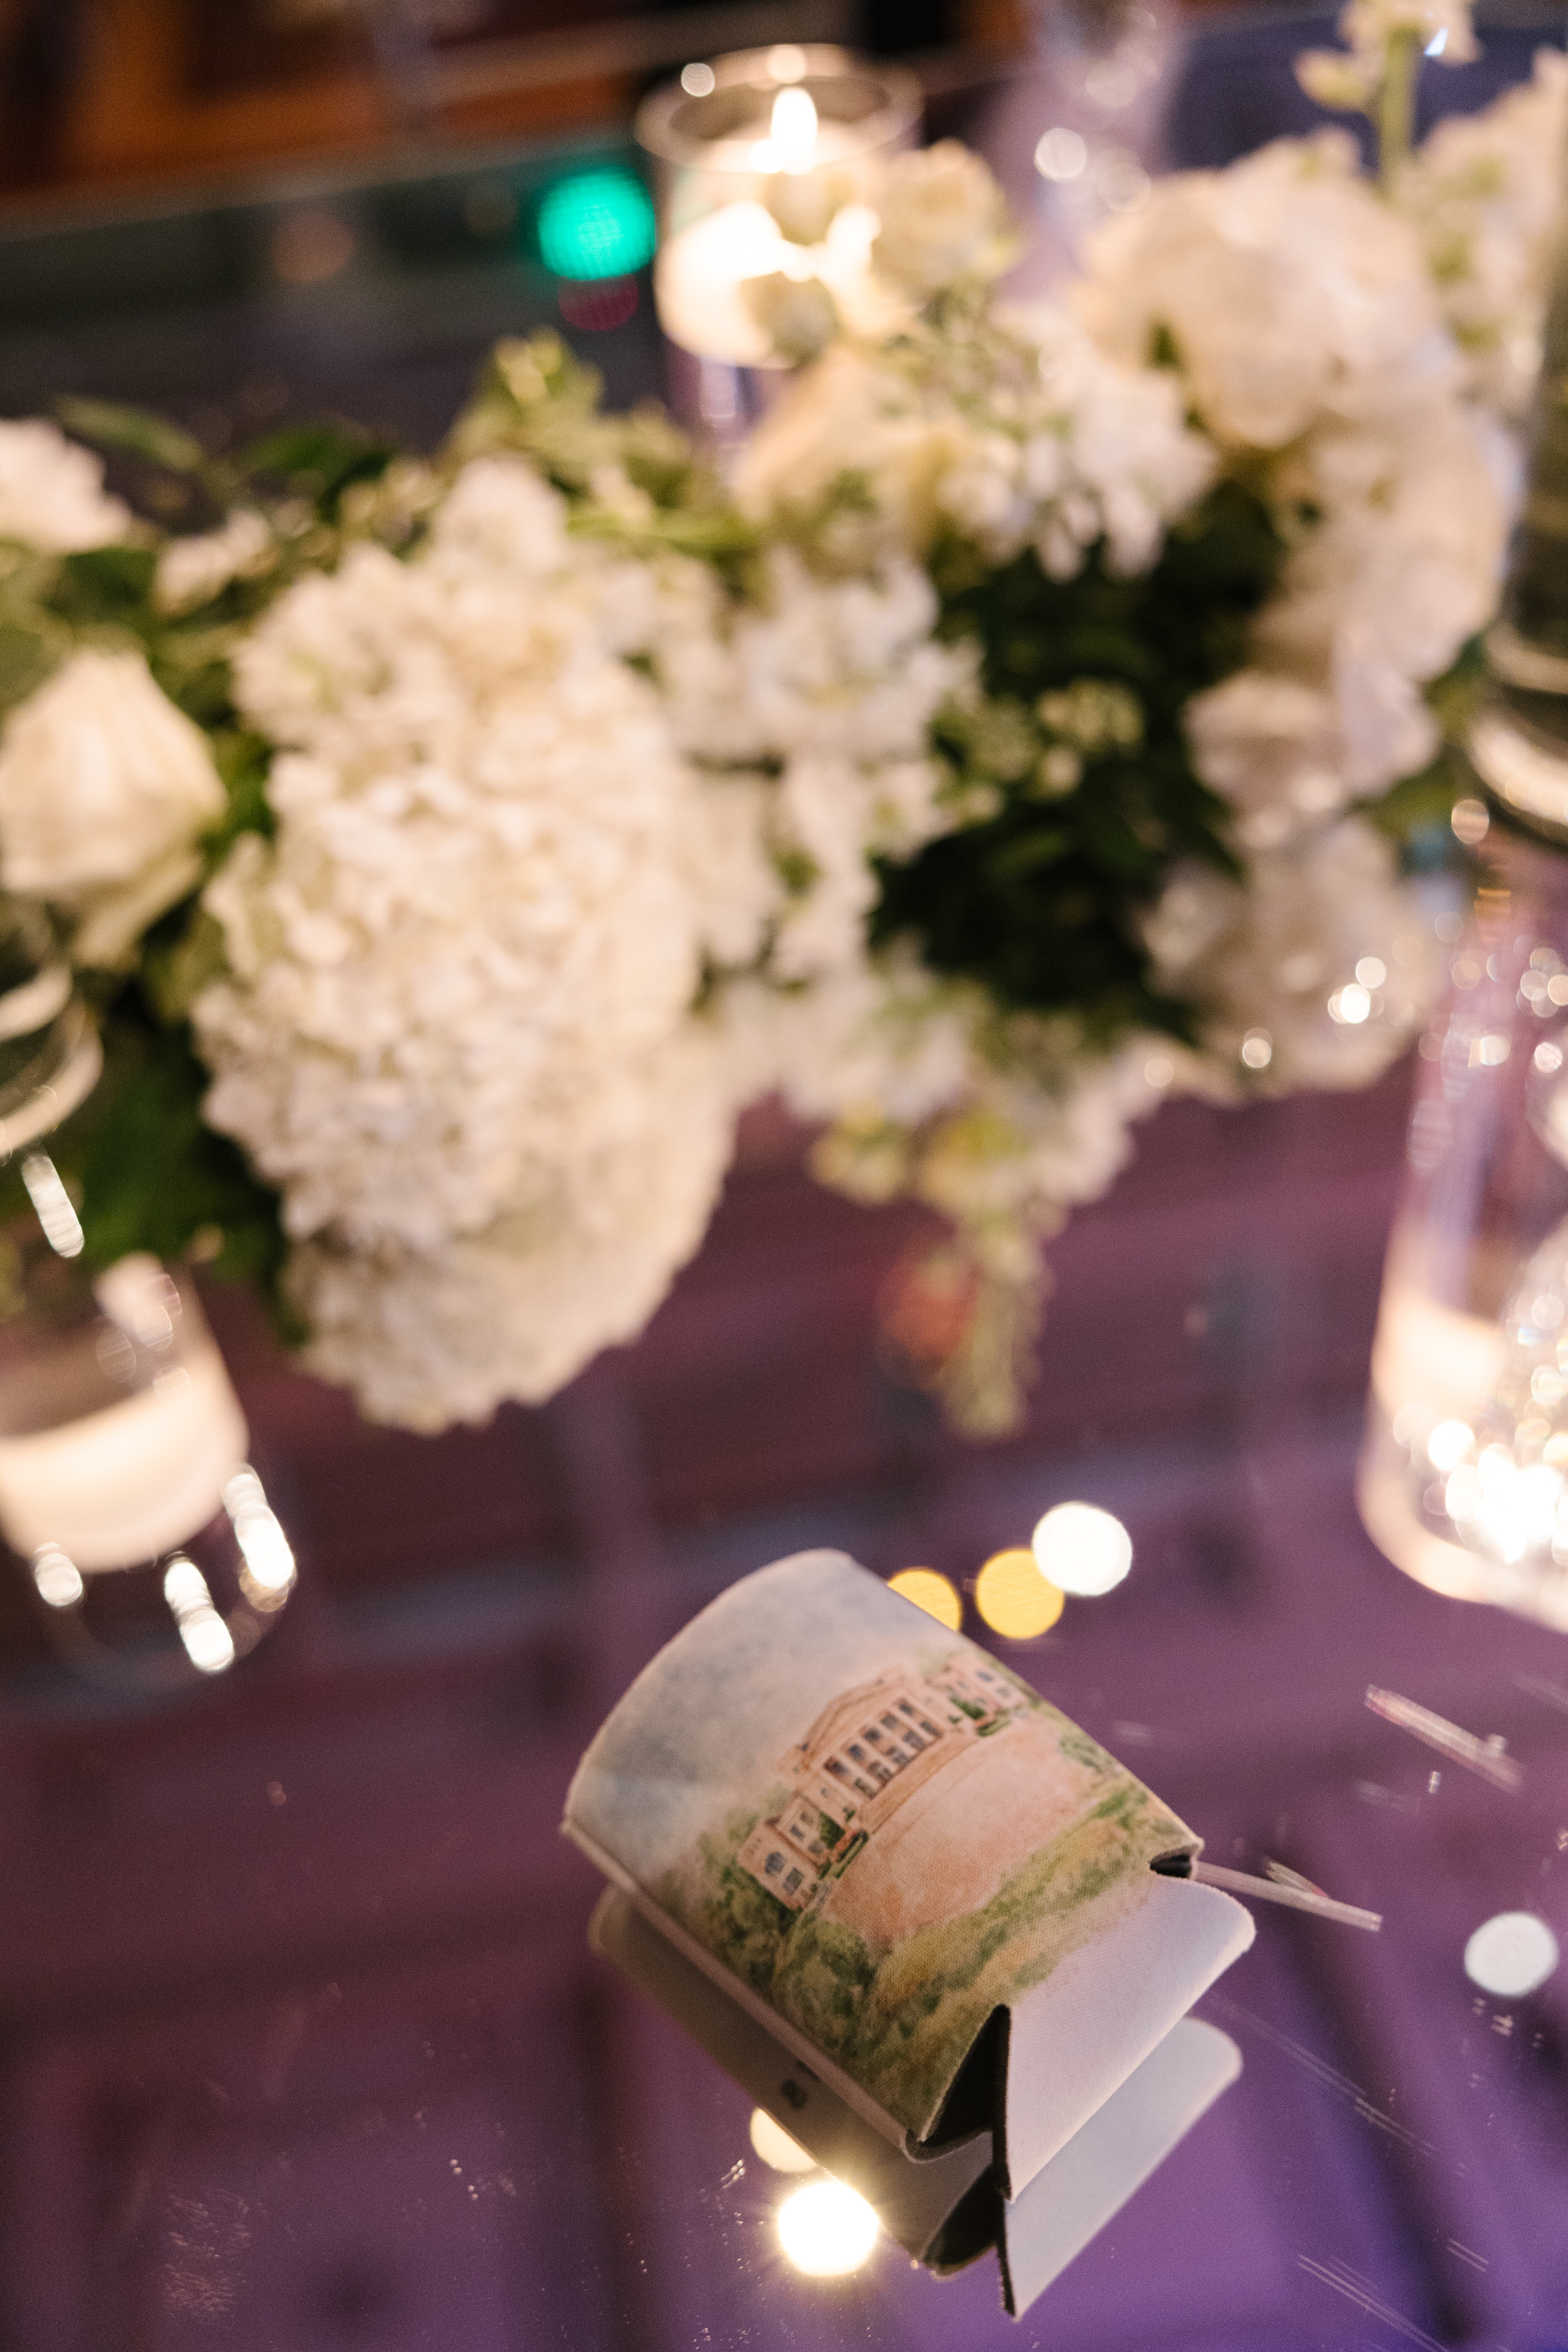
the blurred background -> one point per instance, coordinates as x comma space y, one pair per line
300, 2045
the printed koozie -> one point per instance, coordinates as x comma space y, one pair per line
936, 1893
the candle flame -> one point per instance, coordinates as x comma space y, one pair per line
790, 142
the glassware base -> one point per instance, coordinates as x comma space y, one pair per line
1390, 1491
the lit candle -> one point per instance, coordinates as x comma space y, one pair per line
765, 160
135, 1477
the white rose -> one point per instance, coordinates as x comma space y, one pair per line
943, 217
51, 492
105, 789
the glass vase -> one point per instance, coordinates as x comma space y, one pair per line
1464, 1479
124, 1482
125, 1486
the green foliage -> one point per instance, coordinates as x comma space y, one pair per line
739, 1920
138, 432
1039, 900
319, 462
151, 1175
536, 398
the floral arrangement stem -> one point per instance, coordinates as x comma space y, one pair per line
1397, 104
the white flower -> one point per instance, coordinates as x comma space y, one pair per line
1315, 973
885, 1042
1304, 324
1401, 565
943, 217
825, 691
1281, 283
192, 570
458, 1031
105, 791
51, 491
1273, 748
797, 315
1020, 434
1484, 194
427, 1338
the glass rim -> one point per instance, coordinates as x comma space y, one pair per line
898, 109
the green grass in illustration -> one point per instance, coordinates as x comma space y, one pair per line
900, 2018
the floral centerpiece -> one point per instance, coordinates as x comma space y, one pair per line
1025, 727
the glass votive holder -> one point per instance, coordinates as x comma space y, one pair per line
765, 165
126, 1489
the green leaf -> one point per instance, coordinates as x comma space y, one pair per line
320, 461
105, 583
111, 425
154, 1177
27, 658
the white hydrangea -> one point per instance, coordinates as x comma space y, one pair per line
577, 1263
1316, 973
51, 491
1022, 435
1483, 194
459, 1016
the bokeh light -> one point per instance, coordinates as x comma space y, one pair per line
931, 1592
775, 2146
827, 2230
1511, 1953
57, 1578
1061, 154
1082, 1548
1015, 1597
597, 225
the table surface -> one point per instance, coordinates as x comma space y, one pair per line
301, 2043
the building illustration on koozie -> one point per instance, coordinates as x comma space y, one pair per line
869, 1753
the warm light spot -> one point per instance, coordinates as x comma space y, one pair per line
786, 61
1372, 971
1448, 1444
1060, 156
931, 1592
268, 1569
1548, 1058
1350, 1005
828, 2230
790, 142
308, 247
775, 2146
58, 1579
1491, 1051
208, 1642
1511, 1954
1470, 822
1015, 1597
1159, 1069
1082, 1548
697, 80
1258, 1049
53, 1204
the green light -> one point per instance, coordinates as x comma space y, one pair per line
598, 225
